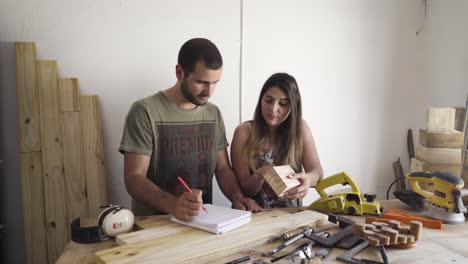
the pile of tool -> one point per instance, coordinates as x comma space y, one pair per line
320, 243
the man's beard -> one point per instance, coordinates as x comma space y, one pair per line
190, 97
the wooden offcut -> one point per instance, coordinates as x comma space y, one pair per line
35, 246
439, 155
93, 154
444, 139
69, 95
277, 178
55, 188
210, 247
440, 119
418, 165
27, 98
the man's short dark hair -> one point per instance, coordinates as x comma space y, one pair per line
199, 50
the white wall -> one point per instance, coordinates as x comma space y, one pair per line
357, 67
364, 75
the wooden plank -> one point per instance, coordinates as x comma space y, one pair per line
93, 154
180, 249
57, 219
164, 227
69, 95
74, 176
446, 139
440, 119
459, 118
35, 248
465, 131
418, 165
439, 155
27, 97
465, 164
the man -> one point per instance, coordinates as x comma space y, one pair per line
178, 133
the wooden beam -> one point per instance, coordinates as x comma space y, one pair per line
69, 95
27, 97
35, 246
57, 218
93, 154
445, 139
439, 155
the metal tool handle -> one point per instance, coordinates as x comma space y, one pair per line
289, 242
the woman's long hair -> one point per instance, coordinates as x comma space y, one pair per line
289, 143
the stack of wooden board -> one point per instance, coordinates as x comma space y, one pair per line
62, 163
440, 145
163, 241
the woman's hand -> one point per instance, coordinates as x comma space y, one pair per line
247, 204
301, 190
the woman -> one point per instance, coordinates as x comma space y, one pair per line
277, 135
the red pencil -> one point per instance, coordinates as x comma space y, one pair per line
188, 189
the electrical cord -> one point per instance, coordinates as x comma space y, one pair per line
389, 187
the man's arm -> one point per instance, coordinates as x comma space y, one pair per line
229, 186
185, 207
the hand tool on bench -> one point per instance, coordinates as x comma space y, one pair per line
348, 256
346, 230
287, 243
303, 252
290, 234
320, 254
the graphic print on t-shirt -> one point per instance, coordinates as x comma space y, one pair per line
185, 150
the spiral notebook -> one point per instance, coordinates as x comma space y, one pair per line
218, 219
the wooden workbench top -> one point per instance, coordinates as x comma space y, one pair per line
448, 245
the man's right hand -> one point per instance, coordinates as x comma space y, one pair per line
188, 205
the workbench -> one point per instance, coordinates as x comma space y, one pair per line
448, 245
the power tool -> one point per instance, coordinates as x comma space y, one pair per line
351, 203
446, 202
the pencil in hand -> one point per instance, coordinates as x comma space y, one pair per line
188, 189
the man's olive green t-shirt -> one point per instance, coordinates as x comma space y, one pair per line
181, 143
